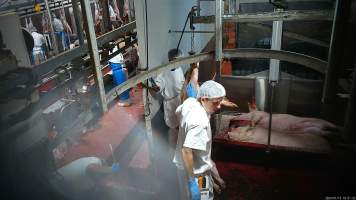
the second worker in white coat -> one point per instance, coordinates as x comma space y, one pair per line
170, 84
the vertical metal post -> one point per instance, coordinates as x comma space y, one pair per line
277, 32
350, 125
93, 47
276, 44
55, 47
337, 42
78, 24
198, 7
218, 36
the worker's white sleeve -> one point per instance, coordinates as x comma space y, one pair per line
160, 82
197, 138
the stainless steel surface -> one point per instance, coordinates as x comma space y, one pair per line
261, 92
239, 90
276, 44
309, 15
308, 61
94, 53
292, 95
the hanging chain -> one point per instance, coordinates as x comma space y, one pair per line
192, 41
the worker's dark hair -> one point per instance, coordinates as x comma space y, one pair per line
174, 53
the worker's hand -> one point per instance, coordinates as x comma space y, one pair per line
115, 167
194, 189
228, 103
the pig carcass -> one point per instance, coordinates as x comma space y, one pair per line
286, 123
258, 135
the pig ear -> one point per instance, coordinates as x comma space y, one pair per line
249, 107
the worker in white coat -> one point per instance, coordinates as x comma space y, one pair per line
193, 151
169, 85
38, 51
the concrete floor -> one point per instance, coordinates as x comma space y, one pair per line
141, 176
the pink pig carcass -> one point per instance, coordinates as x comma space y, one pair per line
287, 123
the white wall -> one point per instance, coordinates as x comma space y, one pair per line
165, 15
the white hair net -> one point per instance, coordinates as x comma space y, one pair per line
211, 89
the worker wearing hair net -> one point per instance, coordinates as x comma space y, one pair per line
169, 85
193, 150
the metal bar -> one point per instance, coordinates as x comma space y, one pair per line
198, 7
51, 26
301, 59
271, 94
275, 45
175, 31
112, 94
60, 59
295, 15
309, 15
204, 19
291, 35
78, 23
23, 15
114, 34
218, 30
350, 125
67, 56
337, 43
93, 46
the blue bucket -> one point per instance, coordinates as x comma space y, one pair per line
119, 76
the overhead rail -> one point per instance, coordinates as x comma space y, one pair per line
67, 56
308, 61
301, 59
132, 82
291, 15
290, 35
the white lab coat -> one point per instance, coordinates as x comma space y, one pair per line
39, 41
194, 133
170, 84
57, 25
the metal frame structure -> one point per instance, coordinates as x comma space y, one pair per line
67, 56
337, 42
132, 82
320, 15
301, 59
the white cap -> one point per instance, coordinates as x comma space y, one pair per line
117, 59
211, 89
